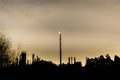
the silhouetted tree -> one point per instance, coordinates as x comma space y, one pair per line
109, 61
116, 62
117, 59
5, 46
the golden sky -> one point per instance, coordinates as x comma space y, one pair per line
89, 28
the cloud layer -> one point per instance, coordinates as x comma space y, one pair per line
89, 27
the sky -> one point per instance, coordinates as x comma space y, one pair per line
89, 28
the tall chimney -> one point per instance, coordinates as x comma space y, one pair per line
74, 60
68, 60
60, 48
71, 60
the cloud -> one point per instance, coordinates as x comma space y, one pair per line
66, 2
87, 17
91, 23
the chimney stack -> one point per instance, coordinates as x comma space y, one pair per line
71, 60
74, 60
68, 60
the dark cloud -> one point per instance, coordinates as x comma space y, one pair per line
66, 2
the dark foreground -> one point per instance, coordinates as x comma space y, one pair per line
95, 69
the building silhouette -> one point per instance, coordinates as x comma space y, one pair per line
23, 58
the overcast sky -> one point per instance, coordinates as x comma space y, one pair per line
89, 28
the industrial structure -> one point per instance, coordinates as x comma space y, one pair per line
60, 48
22, 59
70, 60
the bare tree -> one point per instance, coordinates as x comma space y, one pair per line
5, 46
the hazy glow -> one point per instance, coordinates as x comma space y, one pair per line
89, 27
59, 33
